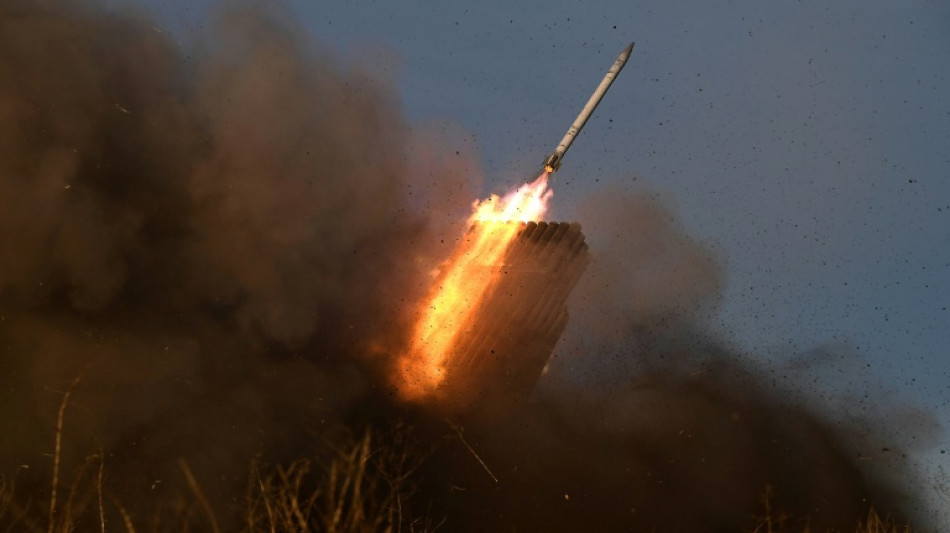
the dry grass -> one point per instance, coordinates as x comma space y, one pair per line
366, 484
876, 524
774, 521
873, 524
16, 515
363, 487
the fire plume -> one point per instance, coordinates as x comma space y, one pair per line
459, 289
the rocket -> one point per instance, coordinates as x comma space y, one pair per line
553, 161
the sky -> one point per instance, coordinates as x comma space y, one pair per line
806, 143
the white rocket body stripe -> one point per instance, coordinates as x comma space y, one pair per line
553, 161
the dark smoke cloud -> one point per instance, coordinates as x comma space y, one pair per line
225, 245
186, 233
646, 276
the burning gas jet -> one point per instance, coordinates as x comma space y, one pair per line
553, 161
497, 308
454, 313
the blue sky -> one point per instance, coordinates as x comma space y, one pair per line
807, 143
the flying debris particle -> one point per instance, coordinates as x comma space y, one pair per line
458, 432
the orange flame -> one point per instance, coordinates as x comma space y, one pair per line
459, 290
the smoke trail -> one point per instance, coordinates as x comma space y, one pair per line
226, 245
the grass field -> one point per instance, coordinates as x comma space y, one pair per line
367, 484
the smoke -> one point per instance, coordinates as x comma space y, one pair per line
647, 276
212, 242
225, 245
644, 421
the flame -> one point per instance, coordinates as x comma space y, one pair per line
459, 290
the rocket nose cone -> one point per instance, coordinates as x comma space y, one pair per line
627, 50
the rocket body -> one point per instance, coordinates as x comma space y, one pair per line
553, 161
